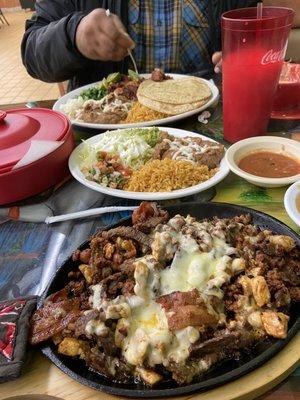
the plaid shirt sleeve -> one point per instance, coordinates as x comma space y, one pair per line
173, 35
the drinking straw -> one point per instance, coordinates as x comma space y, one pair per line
108, 14
259, 16
259, 10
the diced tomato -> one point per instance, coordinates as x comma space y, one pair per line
126, 171
100, 164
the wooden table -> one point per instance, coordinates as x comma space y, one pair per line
40, 376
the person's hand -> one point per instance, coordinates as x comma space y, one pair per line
217, 61
104, 38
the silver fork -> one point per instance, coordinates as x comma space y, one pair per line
108, 14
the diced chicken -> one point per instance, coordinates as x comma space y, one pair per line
88, 272
148, 376
245, 281
260, 290
254, 319
108, 250
116, 311
121, 331
163, 246
284, 241
141, 273
238, 265
73, 347
275, 324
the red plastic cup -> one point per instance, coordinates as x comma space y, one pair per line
253, 54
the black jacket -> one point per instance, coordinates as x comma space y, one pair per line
48, 48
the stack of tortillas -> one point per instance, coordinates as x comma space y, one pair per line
174, 96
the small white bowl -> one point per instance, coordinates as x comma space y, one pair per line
262, 143
290, 202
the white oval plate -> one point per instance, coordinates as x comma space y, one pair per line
173, 118
74, 165
290, 202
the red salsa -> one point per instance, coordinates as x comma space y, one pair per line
269, 164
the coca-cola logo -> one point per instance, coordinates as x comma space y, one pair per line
272, 56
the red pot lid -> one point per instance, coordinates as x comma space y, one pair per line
20, 126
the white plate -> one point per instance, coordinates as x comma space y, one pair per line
173, 118
290, 202
74, 165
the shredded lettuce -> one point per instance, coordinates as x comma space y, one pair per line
133, 146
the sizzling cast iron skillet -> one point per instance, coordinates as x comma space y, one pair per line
223, 372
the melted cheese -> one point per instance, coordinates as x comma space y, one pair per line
149, 338
96, 327
148, 335
188, 271
142, 330
192, 269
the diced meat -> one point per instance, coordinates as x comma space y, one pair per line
49, 327
186, 309
274, 280
108, 366
158, 75
160, 149
211, 157
130, 233
116, 284
59, 296
107, 343
81, 322
282, 297
295, 293
185, 372
226, 342
83, 255
190, 316
179, 299
148, 216
125, 88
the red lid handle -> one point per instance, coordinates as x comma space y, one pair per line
3, 114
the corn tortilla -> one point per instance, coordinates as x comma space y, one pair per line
170, 109
175, 91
